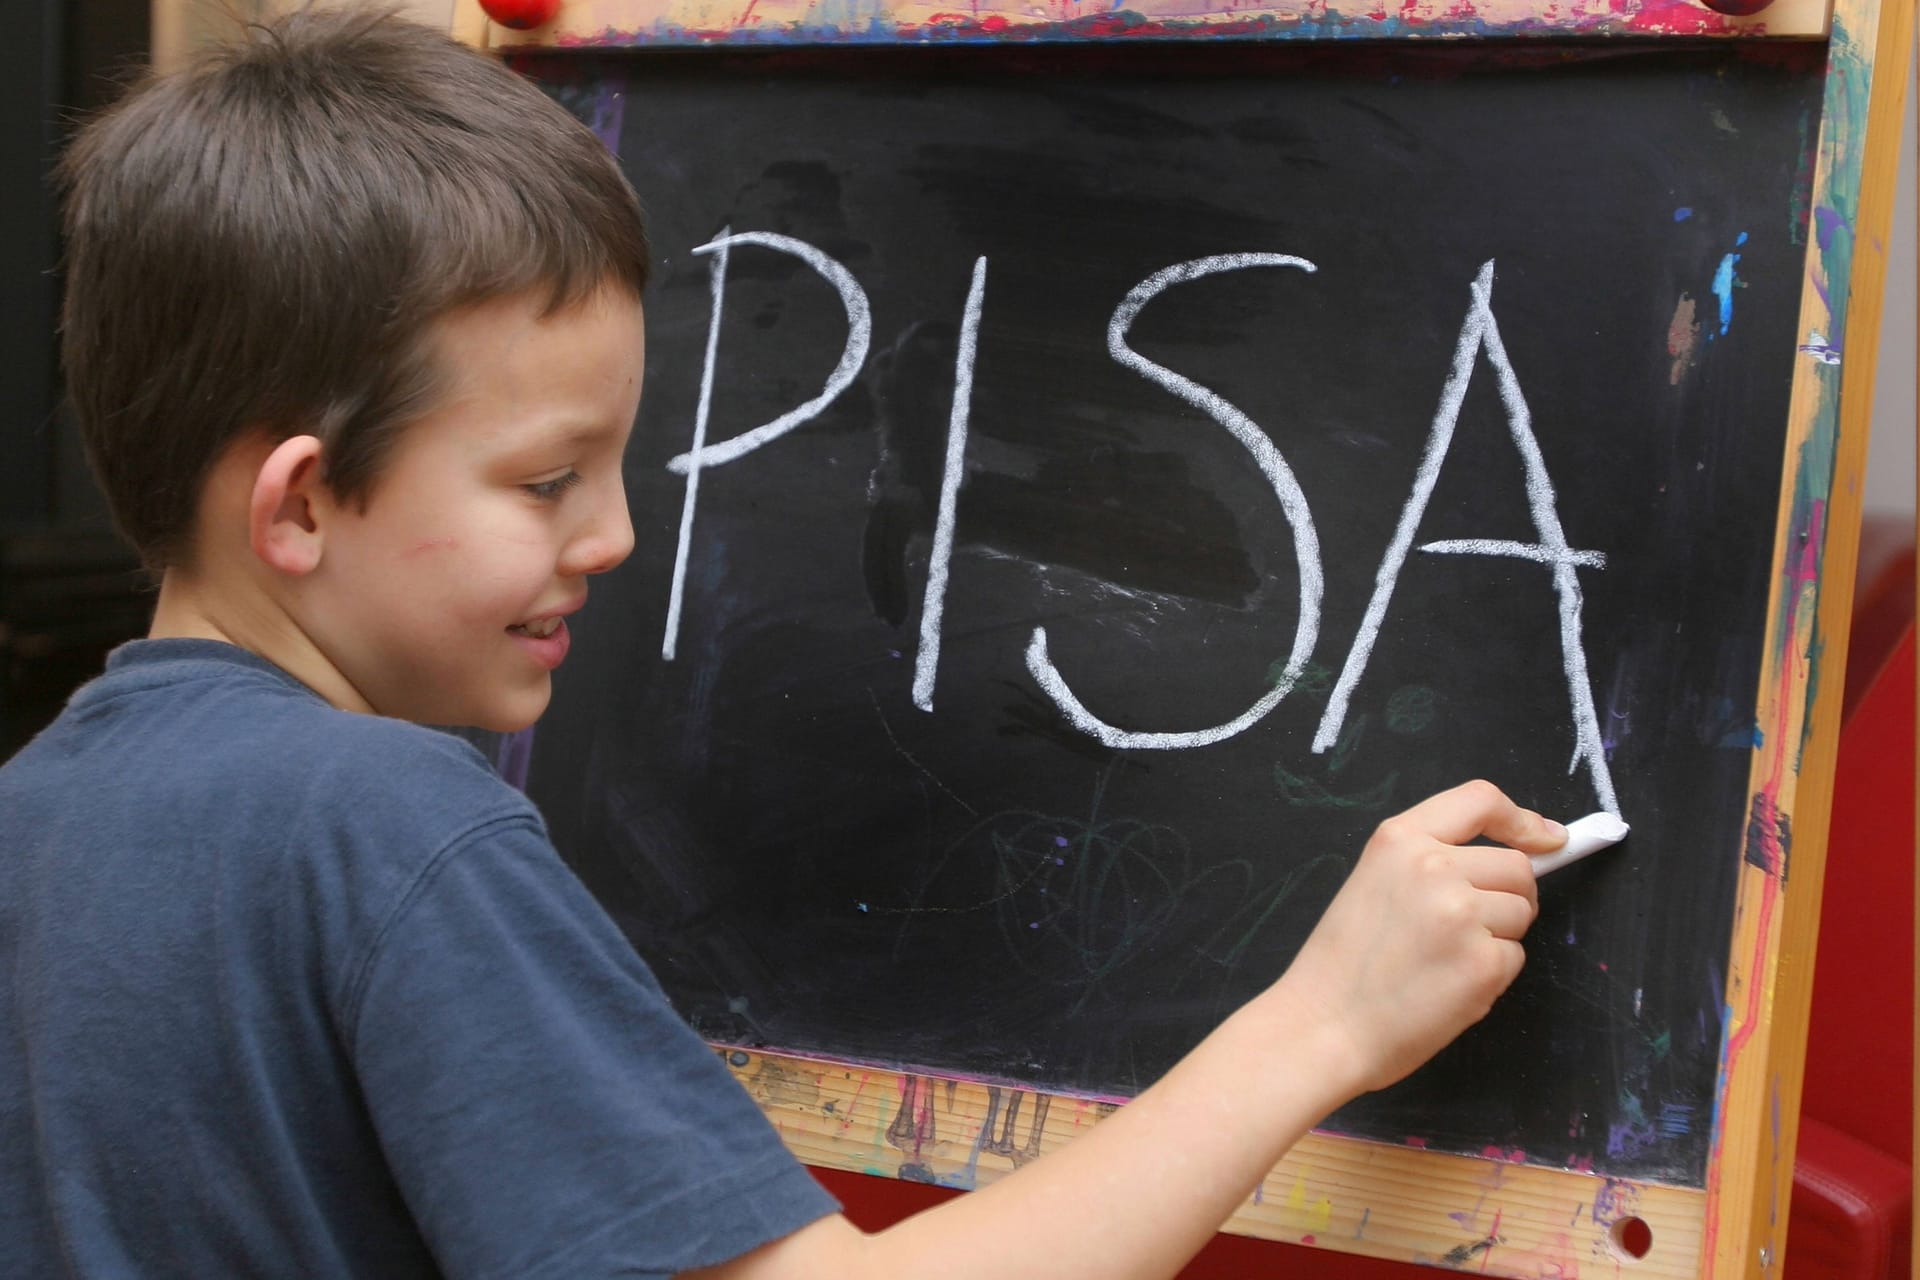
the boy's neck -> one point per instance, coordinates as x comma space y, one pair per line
189, 608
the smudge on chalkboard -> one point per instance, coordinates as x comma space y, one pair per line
1683, 335
596, 102
1725, 282
515, 757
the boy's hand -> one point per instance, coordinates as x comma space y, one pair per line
1425, 933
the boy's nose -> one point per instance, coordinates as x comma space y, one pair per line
604, 541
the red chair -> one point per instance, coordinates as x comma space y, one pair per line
1853, 1170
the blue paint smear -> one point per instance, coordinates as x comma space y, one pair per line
1682, 213
1723, 282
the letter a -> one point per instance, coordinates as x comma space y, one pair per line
1482, 332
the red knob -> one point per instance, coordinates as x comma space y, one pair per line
521, 14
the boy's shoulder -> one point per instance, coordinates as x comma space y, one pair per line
205, 732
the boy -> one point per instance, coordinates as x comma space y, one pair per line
289, 985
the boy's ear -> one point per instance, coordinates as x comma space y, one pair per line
282, 526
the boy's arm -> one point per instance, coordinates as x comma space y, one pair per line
1415, 948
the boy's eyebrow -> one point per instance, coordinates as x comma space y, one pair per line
570, 433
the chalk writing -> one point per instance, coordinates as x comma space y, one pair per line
928, 659
1480, 333
703, 455
1293, 502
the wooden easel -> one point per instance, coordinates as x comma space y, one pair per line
1333, 1191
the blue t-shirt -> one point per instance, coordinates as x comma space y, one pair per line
290, 991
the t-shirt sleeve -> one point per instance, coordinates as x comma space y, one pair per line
543, 1108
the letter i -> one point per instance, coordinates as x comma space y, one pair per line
928, 659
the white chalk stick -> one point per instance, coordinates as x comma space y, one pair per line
1586, 835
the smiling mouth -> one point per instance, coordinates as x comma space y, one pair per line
539, 628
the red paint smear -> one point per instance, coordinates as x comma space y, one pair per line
1801, 575
847, 1122
1306, 1239
1686, 18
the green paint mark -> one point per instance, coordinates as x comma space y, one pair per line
1314, 678
1305, 793
1411, 709
1343, 748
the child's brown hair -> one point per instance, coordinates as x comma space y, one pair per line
263, 242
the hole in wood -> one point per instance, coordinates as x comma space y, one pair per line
1632, 1238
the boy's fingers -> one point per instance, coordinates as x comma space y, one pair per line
1506, 915
1503, 871
1475, 809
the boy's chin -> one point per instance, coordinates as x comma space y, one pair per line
516, 722
506, 715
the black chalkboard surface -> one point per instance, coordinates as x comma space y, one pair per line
1206, 486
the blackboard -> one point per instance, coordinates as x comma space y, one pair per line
1365, 418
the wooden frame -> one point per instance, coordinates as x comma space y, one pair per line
1498, 1215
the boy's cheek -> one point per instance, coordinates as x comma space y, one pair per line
430, 546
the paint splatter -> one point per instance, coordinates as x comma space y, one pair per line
776, 1084
1769, 836
1724, 283
1318, 1213
1683, 338
1463, 1254
858, 22
1828, 221
1615, 1200
1631, 1135
1682, 213
1819, 348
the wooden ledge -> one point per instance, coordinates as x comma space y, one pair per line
1495, 1214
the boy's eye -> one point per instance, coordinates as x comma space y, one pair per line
555, 487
